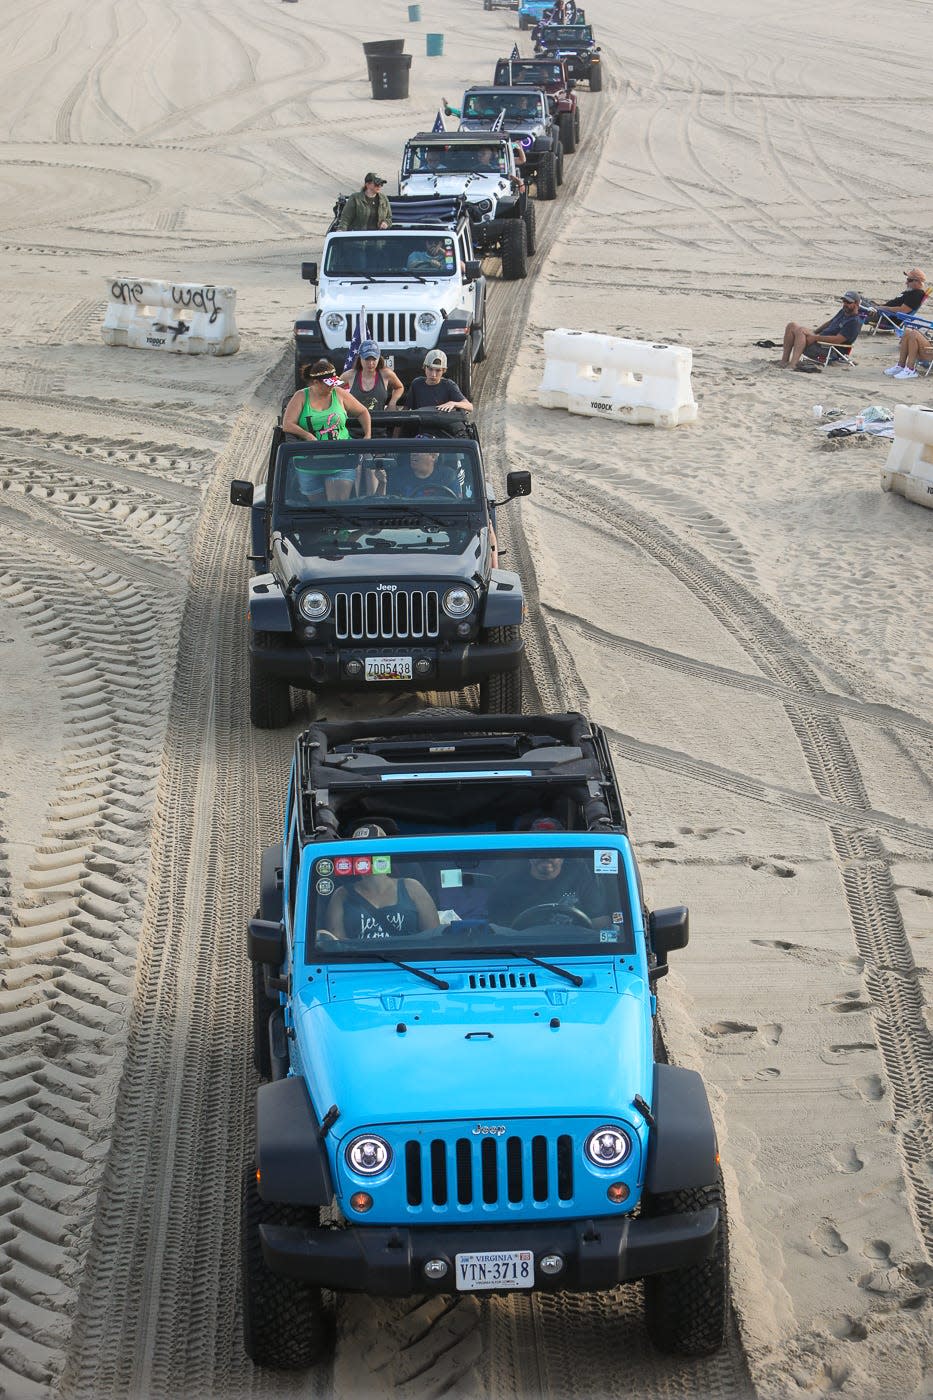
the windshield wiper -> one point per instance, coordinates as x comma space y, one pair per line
573, 977
419, 972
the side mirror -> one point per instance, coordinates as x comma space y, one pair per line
309, 273
241, 493
472, 269
265, 942
669, 929
518, 484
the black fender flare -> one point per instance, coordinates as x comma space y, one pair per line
290, 1151
682, 1149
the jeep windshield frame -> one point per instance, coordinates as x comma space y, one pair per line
515, 101
567, 36
371, 254
479, 887
456, 157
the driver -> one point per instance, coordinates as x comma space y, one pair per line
422, 476
432, 258
548, 878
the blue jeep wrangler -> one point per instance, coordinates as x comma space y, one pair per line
454, 989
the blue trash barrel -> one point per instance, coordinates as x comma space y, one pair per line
414, 14
434, 45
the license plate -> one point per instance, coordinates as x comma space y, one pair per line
389, 361
504, 1268
388, 668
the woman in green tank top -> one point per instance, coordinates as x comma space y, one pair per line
318, 413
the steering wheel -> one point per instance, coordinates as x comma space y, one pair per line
556, 914
433, 489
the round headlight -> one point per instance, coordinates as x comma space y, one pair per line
458, 602
368, 1155
426, 320
608, 1146
333, 320
484, 205
313, 604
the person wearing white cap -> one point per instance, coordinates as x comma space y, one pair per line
432, 389
841, 329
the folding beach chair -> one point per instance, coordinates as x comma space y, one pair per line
893, 320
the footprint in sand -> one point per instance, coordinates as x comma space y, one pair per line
771, 1034
871, 1087
719, 1029
847, 1159
828, 1239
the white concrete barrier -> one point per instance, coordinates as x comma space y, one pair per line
629, 381
909, 467
185, 318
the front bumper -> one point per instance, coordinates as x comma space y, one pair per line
390, 1261
324, 667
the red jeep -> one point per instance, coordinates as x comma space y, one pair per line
547, 75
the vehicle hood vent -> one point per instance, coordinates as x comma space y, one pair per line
501, 981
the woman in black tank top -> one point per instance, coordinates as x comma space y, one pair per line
376, 907
371, 381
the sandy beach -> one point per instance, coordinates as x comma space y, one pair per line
735, 600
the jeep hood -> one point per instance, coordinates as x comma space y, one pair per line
474, 186
410, 566
489, 1055
335, 294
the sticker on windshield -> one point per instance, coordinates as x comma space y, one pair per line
362, 865
618, 916
324, 867
606, 862
608, 935
343, 865
324, 885
451, 879
382, 865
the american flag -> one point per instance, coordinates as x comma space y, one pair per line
438, 123
514, 54
497, 124
359, 335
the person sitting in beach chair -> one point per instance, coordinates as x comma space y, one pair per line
833, 340
916, 352
888, 315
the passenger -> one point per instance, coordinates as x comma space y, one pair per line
370, 380
368, 208
318, 413
376, 907
914, 346
841, 329
432, 389
487, 161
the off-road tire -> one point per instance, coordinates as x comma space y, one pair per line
568, 135
514, 250
559, 164
531, 227
270, 701
480, 355
463, 372
263, 1007
501, 693
596, 77
545, 177
285, 1324
687, 1310
576, 123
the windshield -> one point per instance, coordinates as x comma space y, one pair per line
442, 160
569, 900
356, 255
532, 72
517, 106
575, 34
443, 473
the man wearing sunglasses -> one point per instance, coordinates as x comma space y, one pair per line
905, 303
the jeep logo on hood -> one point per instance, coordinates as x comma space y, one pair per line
489, 1130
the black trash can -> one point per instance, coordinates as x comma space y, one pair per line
383, 46
389, 74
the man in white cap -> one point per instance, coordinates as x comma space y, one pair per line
432, 389
841, 329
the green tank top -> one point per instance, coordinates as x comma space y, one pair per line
327, 424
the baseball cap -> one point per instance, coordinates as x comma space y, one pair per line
435, 359
915, 272
369, 832
368, 348
852, 296
547, 824
370, 179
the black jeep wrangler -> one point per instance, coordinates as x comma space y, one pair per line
573, 43
375, 565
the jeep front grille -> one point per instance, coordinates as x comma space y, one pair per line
405, 615
491, 1171
387, 327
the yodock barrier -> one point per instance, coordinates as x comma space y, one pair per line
909, 468
629, 381
185, 318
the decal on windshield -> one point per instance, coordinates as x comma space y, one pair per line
382, 865
324, 867
606, 862
451, 879
608, 935
325, 885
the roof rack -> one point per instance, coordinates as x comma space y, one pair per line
415, 211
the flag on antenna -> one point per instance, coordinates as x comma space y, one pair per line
497, 124
514, 54
359, 335
438, 123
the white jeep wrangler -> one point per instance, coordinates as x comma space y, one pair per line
419, 284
